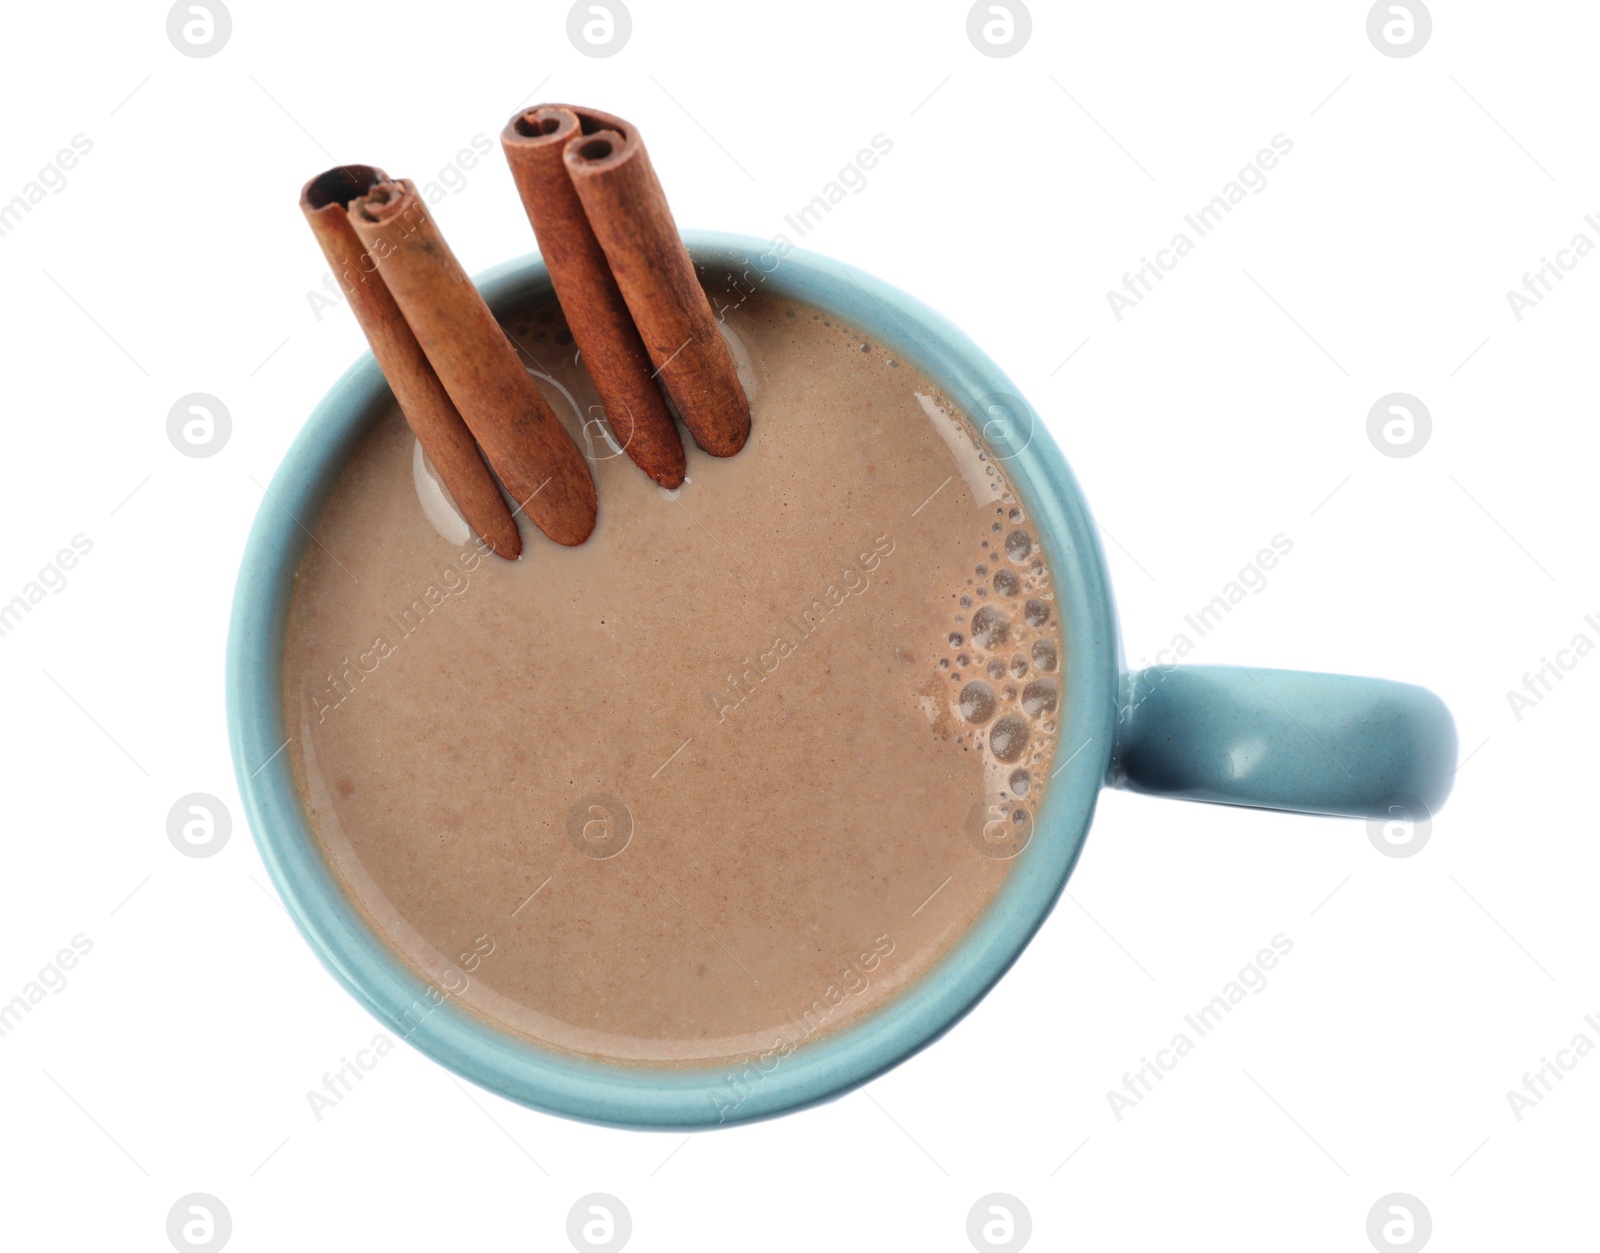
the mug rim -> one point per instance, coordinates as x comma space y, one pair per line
701, 1096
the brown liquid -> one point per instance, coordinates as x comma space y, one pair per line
716, 779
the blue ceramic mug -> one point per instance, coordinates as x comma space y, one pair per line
1282, 739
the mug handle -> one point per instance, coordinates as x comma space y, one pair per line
1284, 739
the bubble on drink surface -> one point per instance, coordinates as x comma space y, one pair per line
956, 639
977, 702
990, 628
1008, 738
1015, 515
1018, 545
1019, 665
981, 571
1020, 782
1039, 698
1044, 655
1006, 583
996, 669
1036, 613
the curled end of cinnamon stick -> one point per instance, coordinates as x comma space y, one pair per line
599, 149
339, 186
545, 124
380, 201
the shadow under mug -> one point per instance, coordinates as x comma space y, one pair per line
1315, 743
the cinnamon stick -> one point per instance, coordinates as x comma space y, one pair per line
427, 407
627, 210
520, 435
534, 141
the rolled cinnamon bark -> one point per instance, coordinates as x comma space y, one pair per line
626, 208
520, 435
422, 398
598, 316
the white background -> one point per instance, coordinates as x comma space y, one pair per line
1229, 407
